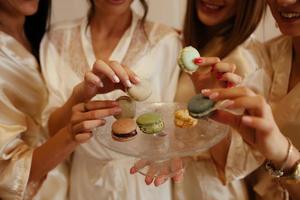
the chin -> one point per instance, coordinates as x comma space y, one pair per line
29, 7
208, 21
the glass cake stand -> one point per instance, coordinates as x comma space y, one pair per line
163, 150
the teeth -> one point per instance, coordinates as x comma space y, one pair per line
290, 15
212, 6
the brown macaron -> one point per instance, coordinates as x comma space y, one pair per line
124, 130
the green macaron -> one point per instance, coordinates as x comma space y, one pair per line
186, 59
150, 123
200, 106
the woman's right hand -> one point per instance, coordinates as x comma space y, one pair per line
212, 73
104, 78
87, 116
257, 126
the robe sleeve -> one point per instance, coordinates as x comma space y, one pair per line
15, 154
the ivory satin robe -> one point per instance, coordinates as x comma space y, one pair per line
67, 53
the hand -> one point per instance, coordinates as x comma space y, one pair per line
104, 78
87, 116
215, 74
256, 126
159, 172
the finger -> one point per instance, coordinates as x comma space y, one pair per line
254, 104
132, 76
138, 166
227, 93
225, 67
97, 105
208, 61
95, 114
102, 69
87, 126
177, 168
163, 175
78, 108
93, 80
152, 171
83, 137
121, 73
232, 78
258, 123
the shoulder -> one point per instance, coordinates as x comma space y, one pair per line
278, 45
158, 32
62, 33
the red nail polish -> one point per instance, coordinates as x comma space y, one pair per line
230, 84
213, 68
198, 61
219, 75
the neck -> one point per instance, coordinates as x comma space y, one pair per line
12, 25
109, 25
296, 46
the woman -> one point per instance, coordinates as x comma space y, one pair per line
283, 85
222, 29
26, 153
111, 32
258, 128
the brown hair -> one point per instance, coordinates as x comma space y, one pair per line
235, 31
143, 3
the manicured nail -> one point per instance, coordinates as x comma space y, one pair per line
230, 84
117, 110
205, 91
198, 61
149, 180
213, 67
214, 95
228, 103
116, 79
100, 84
219, 75
247, 119
128, 83
133, 170
137, 79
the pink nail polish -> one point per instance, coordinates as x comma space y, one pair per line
213, 95
198, 61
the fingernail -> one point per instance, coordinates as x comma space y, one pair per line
228, 103
116, 79
205, 91
133, 170
214, 95
137, 79
100, 84
219, 75
117, 110
148, 180
128, 83
230, 84
247, 119
198, 61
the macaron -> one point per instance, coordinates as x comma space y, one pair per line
140, 91
182, 119
124, 130
200, 106
128, 107
186, 59
150, 123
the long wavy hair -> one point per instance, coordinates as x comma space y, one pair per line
235, 31
36, 25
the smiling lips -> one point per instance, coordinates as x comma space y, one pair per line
290, 15
212, 5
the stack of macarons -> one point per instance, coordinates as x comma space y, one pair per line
124, 128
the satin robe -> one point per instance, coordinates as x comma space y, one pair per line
67, 53
23, 96
202, 179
